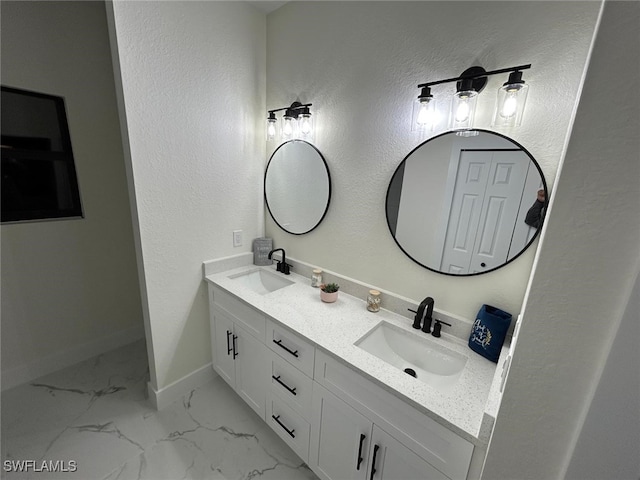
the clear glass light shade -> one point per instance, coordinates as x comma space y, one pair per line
289, 128
305, 126
463, 109
510, 105
271, 128
425, 114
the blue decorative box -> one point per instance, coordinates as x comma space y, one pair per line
489, 331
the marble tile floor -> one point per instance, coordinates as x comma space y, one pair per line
94, 418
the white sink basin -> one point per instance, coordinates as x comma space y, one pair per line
433, 364
262, 281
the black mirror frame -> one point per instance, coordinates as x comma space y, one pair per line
524, 249
264, 187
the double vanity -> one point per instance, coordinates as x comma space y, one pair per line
331, 381
363, 395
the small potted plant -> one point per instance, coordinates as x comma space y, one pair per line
329, 292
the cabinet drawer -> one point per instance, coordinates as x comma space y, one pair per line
290, 346
291, 385
289, 426
438, 445
252, 320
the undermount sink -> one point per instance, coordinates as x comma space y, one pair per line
262, 281
415, 354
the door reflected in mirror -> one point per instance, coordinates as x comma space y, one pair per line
297, 187
465, 205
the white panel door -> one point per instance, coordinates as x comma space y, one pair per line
252, 370
391, 460
466, 207
486, 200
340, 438
500, 210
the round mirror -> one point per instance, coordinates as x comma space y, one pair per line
466, 202
297, 187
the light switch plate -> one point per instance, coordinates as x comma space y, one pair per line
237, 238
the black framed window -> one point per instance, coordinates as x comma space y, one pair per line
38, 171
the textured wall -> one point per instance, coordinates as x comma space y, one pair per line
609, 441
359, 63
193, 84
68, 283
584, 274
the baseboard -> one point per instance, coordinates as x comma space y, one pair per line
51, 363
172, 392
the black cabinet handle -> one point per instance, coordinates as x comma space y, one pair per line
235, 350
373, 463
290, 432
292, 391
279, 343
359, 459
228, 343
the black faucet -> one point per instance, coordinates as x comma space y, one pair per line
426, 326
282, 266
437, 327
417, 321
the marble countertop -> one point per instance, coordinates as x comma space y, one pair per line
335, 327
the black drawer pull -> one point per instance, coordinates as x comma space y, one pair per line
279, 343
228, 343
373, 463
235, 351
291, 390
290, 432
359, 459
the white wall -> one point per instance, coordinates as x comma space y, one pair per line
581, 287
609, 441
69, 287
359, 63
193, 79
422, 201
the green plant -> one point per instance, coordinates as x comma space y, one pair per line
330, 287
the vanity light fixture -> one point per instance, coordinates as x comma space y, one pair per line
463, 105
297, 122
272, 122
512, 97
289, 124
425, 115
509, 108
305, 123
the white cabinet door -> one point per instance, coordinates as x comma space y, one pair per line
440, 447
340, 438
346, 445
222, 332
391, 460
241, 360
252, 369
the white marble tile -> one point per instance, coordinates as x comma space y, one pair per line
96, 414
36, 416
212, 434
215, 453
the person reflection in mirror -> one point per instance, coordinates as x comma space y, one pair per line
536, 212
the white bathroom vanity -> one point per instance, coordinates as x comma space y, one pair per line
346, 412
